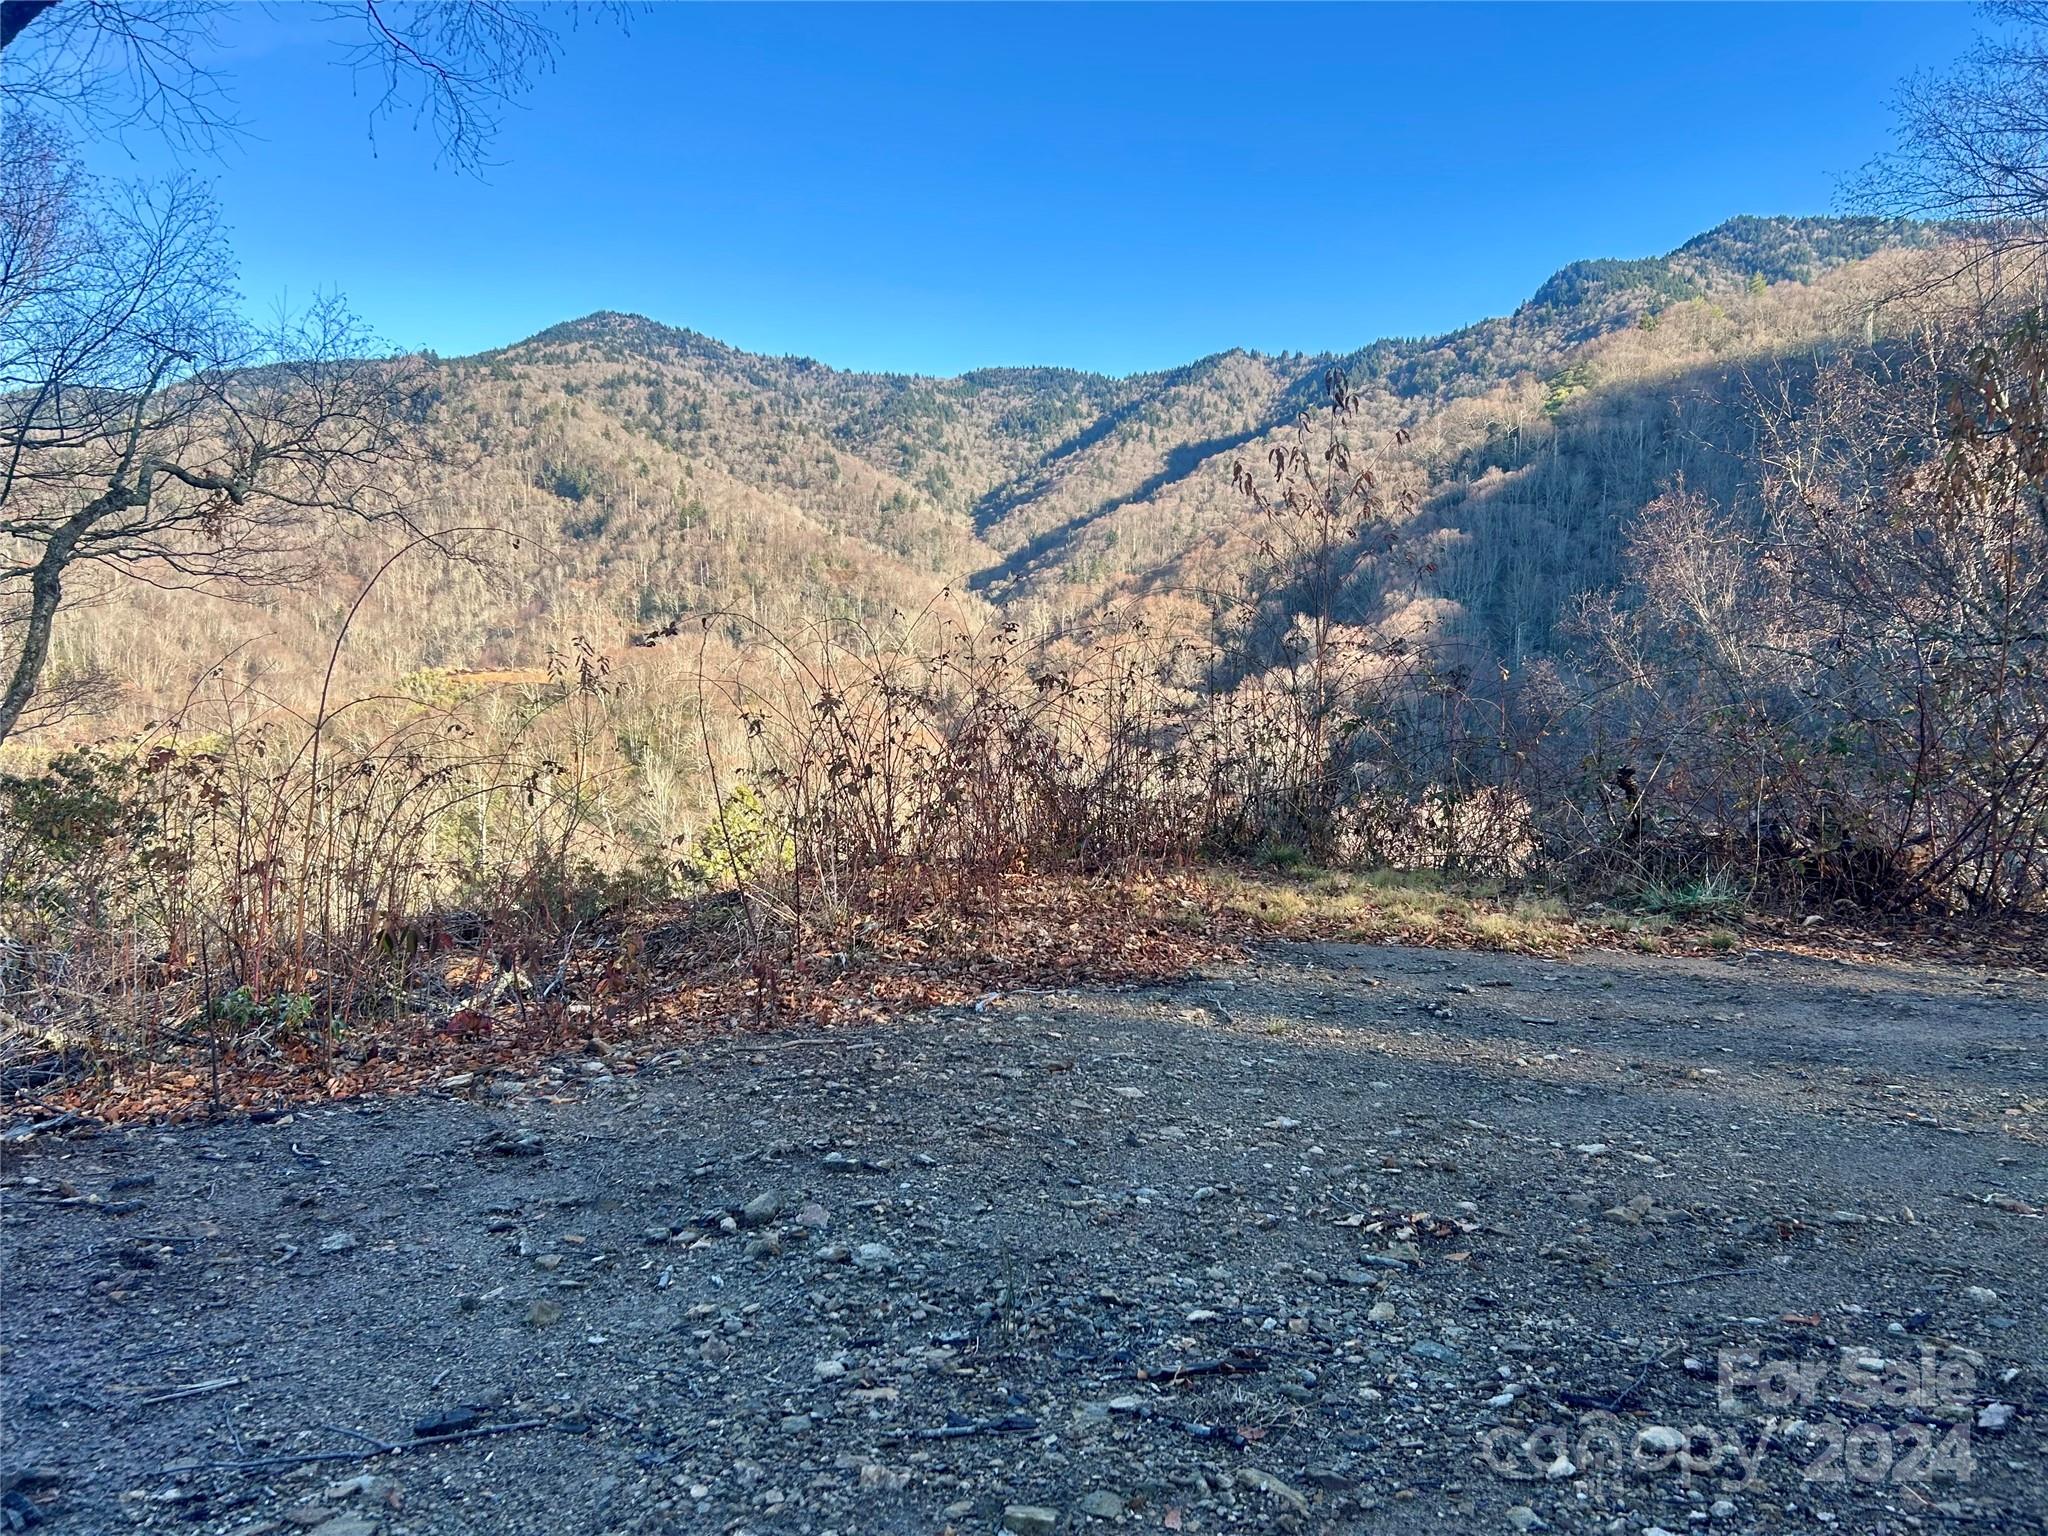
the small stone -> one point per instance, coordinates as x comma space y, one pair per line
1980, 1295
1383, 1312
1429, 1349
1101, 1504
1266, 1482
874, 1257
814, 1216
543, 1313
761, 1210
1722, 1509
1030, 1520
1523, 1518
839, 1162
1633, 1212
1561, 1470
1660, 1437
828, 1370
1995, 1418
796, 1423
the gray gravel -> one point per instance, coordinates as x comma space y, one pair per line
1350, 1239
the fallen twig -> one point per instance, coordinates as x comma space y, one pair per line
1194, 1427
1233, 1364
1712, 1274
374, 1449
353, 1434
1008, 1424
197, 1387
1615, 1403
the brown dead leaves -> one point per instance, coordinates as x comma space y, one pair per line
664, 977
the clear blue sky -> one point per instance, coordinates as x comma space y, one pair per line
930, 188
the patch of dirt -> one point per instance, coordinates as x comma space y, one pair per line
1346, 1238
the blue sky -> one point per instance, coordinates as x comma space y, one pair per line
933, 188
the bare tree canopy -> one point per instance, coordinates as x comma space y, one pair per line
112, 66
1971, 145
147, 428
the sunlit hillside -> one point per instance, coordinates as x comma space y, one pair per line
624, 475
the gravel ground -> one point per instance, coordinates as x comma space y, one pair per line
1347, 1239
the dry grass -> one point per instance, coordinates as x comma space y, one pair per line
1398, 907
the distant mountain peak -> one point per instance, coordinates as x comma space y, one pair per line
1776, 247
619, 328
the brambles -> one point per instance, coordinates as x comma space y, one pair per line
1841, 696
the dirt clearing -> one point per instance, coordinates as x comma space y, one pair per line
1349, 1238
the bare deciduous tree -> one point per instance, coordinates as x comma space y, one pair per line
1847, 691
147, 428
1970, 148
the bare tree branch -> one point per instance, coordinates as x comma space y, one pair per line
112, 66
145, 424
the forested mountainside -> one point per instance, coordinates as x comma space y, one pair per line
633, 473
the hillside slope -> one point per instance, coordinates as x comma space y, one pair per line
639, 473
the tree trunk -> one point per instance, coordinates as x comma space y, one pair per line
46, 592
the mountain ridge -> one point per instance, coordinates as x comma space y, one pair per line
647, 471
1778, 247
